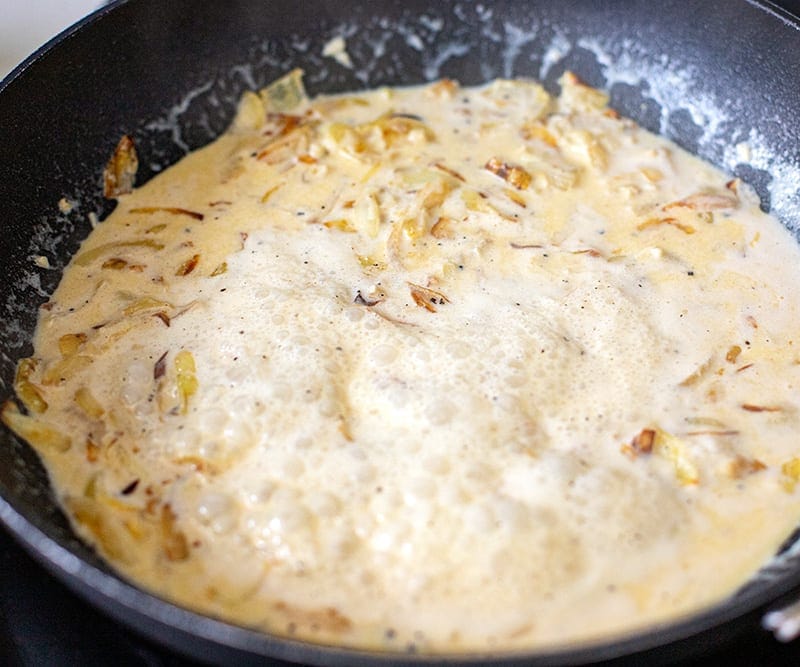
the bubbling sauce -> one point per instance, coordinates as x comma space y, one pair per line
434, 368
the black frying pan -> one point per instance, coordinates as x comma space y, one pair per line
706, 74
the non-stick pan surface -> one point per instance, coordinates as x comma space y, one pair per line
709, 75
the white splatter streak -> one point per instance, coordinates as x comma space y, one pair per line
433, 67
171, 122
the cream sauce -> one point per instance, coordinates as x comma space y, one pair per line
437, 368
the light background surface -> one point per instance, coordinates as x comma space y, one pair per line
27, 24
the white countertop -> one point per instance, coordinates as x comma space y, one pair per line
27, 24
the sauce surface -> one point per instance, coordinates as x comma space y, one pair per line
434, 369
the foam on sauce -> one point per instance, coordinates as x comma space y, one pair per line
434, 368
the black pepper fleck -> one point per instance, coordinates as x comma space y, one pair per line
130, 488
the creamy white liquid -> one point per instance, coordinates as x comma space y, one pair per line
330, 451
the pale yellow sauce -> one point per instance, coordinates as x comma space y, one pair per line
505, 373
